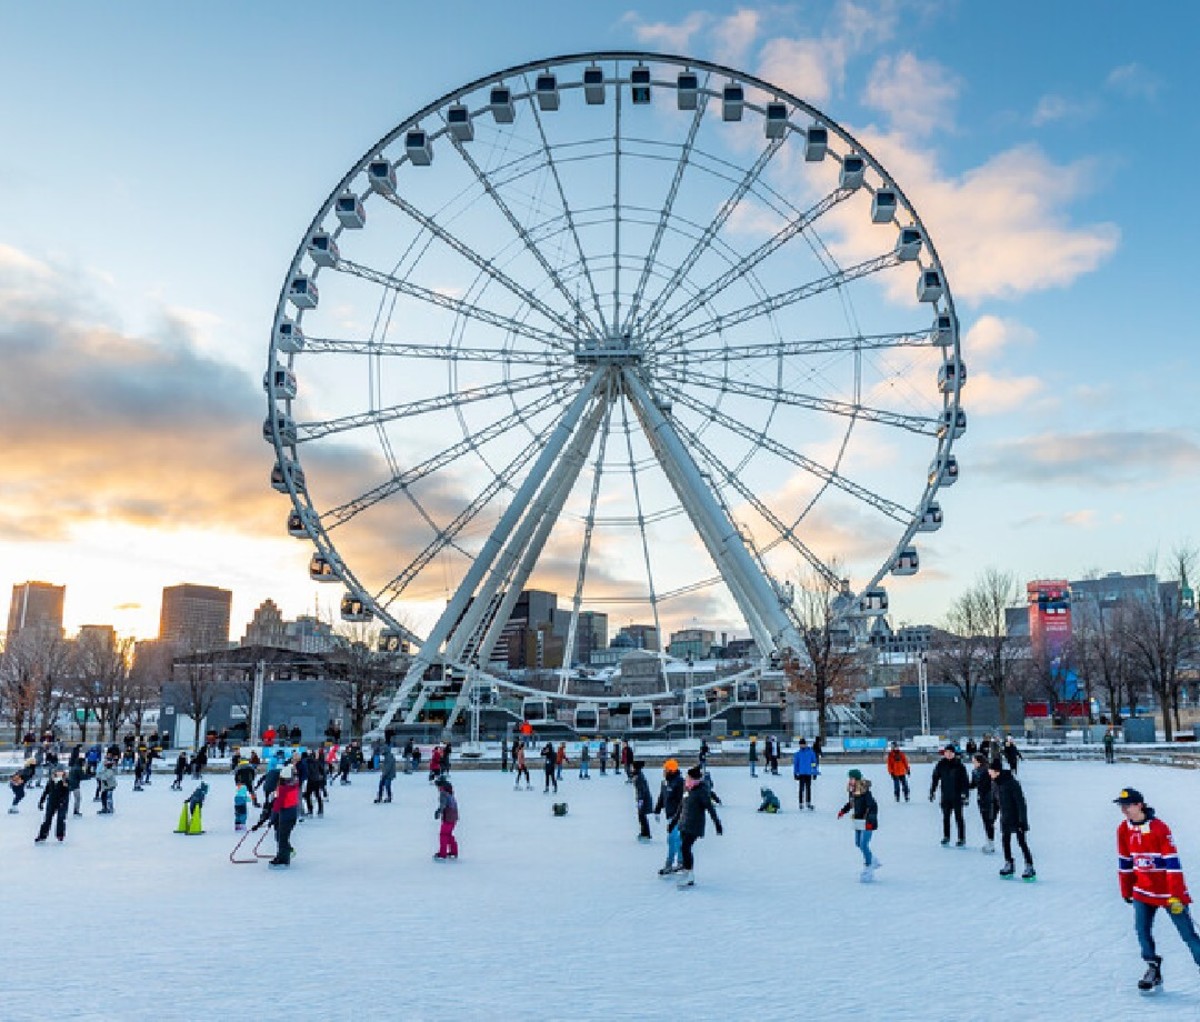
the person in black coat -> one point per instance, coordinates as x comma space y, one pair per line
641, 795
1014, 818
670, 798
549, 767
697, 801
951, 776
56, 796
1011, 753
985, 798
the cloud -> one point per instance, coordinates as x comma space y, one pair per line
1085, 518
986, 394
1053, 108
733, 36
1134, 82
916, 96
989, 335
672, 37
810, 69
1112, 459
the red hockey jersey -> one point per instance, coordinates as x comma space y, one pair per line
1148, 864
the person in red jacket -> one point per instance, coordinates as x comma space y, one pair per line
1151, 878
285, 810
898, 770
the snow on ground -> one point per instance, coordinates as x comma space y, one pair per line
565, 918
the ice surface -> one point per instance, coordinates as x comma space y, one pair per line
566, 918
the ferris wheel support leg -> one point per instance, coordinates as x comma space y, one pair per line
428, 653
721, 536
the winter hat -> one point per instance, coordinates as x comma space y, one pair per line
855, 775
695, 773
444, 783
996, 765
1130, 797
951, 748
671, 766
639, 764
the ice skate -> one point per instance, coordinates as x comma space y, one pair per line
13, 809
667, 871
1029, 873
440, 858
685, 879
866, 876
644, 838
945, 842
1151, 982
960, 842
1008, 869
989, 848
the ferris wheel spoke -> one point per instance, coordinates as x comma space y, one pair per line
775, 302
438, 352
686, 357
341, 514
745, 265
710, 233
309, 431
485, 266
785, 532
664, 217
887, 507
913, 423
456, 305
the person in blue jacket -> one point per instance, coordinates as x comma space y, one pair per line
804, 769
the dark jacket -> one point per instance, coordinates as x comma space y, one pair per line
697, 801
670, 795
985, 791
75, 775
951, 774
55, 794
1011, 799
641, 792
244, 774
864, 807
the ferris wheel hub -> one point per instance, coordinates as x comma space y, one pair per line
617, 349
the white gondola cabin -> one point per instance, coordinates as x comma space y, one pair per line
459, 123
349, 210
322, 249
593, 85
296, 526
418, 148
587, 719
853, 172
953, 423
284, 425
536, 710
641, 717
883, 206
322, 569
733, 101
688, 89
816, 143
931, 518
354, 608
748, 692
546, 87
776, 122
908, 244
639, 84
874, 602
279, 477
943, 470
500, 102
381, 176
281, 380
929, 286
943, 329
907, 562
302, 292
952, 373
289, 338
391, 641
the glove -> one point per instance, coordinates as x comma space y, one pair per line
1128, 901
841, 813
721, 830
1174, 906
437, 814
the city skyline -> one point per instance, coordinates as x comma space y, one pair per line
134, 320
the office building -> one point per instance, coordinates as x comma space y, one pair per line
36, 606
195, 617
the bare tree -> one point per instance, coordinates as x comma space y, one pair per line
100, 688
362, 677
956, 654
1097, 631
993, 593
195, 679
35, 676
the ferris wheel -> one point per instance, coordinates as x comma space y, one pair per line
640, 330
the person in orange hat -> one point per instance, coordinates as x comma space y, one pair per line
670, 798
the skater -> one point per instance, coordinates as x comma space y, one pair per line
1014, 818
951, 775
898, 770
641, 795
55, 798
75, 775
1011, 753
985, 798
560, 759
106, 776
345, 762
670, 798
865, 814
549, 766
447, 812
585, 756
243, 773
446, 760
435, 764
1151, 878
19, 781
773, 755
520, 767
181, 766
285, 810
387, 774
770, 801
1110, 742
627, 760
241, 804
406, 754
752, 756
704, 750
697, 801
804, 769
602, 756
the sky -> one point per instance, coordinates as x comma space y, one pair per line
158, 170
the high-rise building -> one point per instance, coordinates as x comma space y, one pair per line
195, 617
638, 637
98, 636
267, 627
36, 606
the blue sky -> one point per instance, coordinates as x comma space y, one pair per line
159, 166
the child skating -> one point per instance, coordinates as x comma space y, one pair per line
864, 812
447, 812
